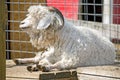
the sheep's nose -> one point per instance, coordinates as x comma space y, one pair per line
22, 22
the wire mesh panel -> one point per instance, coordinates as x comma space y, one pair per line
103, 15
17, 41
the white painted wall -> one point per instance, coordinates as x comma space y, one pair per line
107, 12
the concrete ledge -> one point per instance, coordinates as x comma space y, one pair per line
61, 75
105, 72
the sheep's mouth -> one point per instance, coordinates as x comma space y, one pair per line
24, 28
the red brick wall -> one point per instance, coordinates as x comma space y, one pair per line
116, 11
69, 8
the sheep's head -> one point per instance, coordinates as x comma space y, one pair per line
42, 17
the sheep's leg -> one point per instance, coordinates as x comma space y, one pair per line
47, 68
32, 68
24, 60
36, 67
36, 59
40, 66
60, 65
43, 65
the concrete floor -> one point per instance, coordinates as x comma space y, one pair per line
107, 72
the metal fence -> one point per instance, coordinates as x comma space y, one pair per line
103, 15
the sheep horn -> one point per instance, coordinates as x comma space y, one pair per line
53, 9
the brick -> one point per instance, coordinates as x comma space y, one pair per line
59, 75
46, 76
64, 74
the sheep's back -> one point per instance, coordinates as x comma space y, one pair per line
85, 46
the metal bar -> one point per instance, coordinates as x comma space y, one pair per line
14, 31
17, 12
17, 41
94, 6
19, 51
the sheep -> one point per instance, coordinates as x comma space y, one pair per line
64, 45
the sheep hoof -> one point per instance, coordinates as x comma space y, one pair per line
16, 61
43, 68
31, 68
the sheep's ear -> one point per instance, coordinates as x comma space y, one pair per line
59, 17
55, 18
45, 21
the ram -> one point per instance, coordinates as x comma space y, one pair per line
65, 45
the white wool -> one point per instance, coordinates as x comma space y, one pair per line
72, 46
84, 46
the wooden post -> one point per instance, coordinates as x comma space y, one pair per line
2, 39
